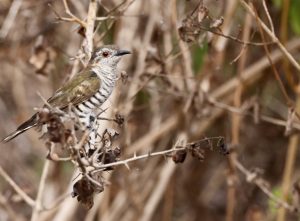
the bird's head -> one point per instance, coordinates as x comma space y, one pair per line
107, 55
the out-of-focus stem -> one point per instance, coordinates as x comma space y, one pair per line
222, 42
289, 167
235, 132
272, 35
284, 38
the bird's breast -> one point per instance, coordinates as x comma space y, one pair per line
95, 101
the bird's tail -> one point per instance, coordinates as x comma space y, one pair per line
22, 128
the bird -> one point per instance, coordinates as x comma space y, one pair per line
86, 91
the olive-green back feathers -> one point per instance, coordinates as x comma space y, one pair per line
84, 85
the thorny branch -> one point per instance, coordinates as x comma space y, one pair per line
190, 147
105, 157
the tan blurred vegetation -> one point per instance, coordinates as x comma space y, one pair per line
198, 69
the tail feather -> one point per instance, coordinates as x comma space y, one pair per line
32, 122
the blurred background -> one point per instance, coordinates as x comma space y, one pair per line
198, 69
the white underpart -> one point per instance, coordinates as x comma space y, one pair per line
89, 104
84, 109
94, 100
108, 78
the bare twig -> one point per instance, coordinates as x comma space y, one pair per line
164, 177
290, 161
19, 191
103, 18
157, 194
230, 9
57, 202
10, 211
294, 124
92, 14
268, 15
38, 203
10, 18
236, 120
259, 182
253, 72
274, 70
125, 162
272, 35
73, 17
235, 39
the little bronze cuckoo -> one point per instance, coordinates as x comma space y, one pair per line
86, 91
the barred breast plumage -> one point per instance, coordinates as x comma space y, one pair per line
87, 108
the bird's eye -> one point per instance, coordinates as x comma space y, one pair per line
105, 54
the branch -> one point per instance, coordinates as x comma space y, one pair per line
275, 72
237, 40
187, 147
19, 191
268, 16
72, 17
38, 203
10, 18
89, 35
272, 35
293, 124
252, 177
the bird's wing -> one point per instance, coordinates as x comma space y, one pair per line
84, 85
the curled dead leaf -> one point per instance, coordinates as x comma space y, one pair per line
42, 57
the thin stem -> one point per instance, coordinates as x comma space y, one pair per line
253, 178
159, 153
19, 191
38, 204
272, 35
92, 14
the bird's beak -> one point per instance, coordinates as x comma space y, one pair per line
122, 52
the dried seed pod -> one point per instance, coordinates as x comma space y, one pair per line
84, 190
119, 119
223, 147
179, 156
117, 151
110, 156
55, 129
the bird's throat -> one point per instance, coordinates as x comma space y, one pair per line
105, 72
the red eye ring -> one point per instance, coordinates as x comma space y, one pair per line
105, 54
